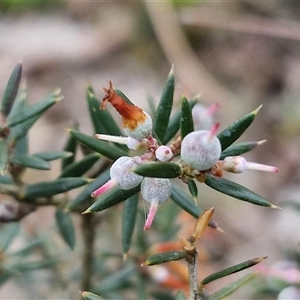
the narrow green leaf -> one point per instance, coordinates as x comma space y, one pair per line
21, 145
78, 168
128, 221
185, 202
160, 258
51, 188
232, 287
236, 129
193, 189
174, 124
30, 161
111, 198
107, 149
11, 90
186, 120
239, 148
116, 280
3, 156
70, 146
7, 234
164, 107
91, 296
85, 195
26, 266
235, 190
233, 269
53, 155
158, 170
65, 226
5, 178
35, 110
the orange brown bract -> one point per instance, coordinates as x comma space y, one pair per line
131, 114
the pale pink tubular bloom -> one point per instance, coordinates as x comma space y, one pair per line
238, 164
104, 188
212, 132
152, 211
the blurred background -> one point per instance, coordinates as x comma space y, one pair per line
239, 54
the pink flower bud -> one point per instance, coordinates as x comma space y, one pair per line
201, 149
155, 191
163, 153
121, 176
238, 164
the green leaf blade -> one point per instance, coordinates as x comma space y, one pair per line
51, 188
164, 107
164, 257
128, 221
158, 170
66, 227
30, 161
85, 196
53, 155
11, 90
229, 135
107, 149
111, 198
239, 148
235, 190
186, 120
79, 168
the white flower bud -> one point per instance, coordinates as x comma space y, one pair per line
201, 149
163, 153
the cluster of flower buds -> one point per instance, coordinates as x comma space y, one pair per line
201, 149
137, 124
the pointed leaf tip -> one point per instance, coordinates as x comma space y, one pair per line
257, 109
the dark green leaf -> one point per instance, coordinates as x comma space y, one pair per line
30, 161
231, 270
164, 107
26, 266
235, 190
158, 170
164, 257
65, 226
107, 149
7, 234
53, 155
91, 296
111, 198
128, 221
185, 202
5, 178
239, 148
11, 90
232, 287
21, 146
193, 189
186, 120
78, 168
3, 155
35, 110
116, 280
51, 188
174, 124
85, 195
229, 135
71, 146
